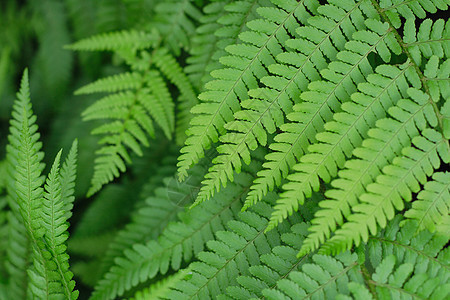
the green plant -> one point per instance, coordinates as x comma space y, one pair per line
249, 149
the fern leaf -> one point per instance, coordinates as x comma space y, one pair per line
309, 116
28, 180
245, 64
18, 252
177, 243
394, 279
54, 222
262, 42
342, 135
390, 190
141, 96
144, 96
386, 140
114, 41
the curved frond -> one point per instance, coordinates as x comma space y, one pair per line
18, 250
25, 146
40, 250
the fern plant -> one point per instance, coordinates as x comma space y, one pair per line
250, 149
37, 260
363, 99
138, 99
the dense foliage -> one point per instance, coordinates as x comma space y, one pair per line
248, 149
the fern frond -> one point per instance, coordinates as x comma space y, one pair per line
393, 279
341, 137
398, 181
178, 242
232, 254
144, 96
245, 64
432, 204
115, 41
385, 141
28, 194
18, 250
260, 46
334, 22
54, 222
68, 175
